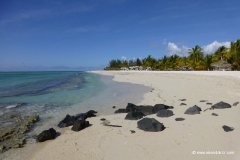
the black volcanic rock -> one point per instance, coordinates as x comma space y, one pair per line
235, 104
47, 135
158, 107
193, 110
147, 110
208, 103
164, 113
179, 119
132, 107
121, 110
134, 115
67, 121
88, 114
214, 114
227, 128
182, 104
79, 125
221, 105
150, 125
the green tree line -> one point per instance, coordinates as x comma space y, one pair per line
195, 60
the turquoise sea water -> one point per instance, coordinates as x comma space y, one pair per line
47, 88
52, 95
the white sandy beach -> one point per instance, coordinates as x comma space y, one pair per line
180, 139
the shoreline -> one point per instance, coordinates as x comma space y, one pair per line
197, 133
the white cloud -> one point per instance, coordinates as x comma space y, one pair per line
173, 49
211, 48
124, 58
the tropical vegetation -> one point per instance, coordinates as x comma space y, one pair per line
196, 60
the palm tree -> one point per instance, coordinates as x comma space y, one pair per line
222, 53
139, 62
149, 62
234, 54
196, 54
207, 61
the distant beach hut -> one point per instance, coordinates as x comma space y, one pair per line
221, 65
183, 68
124, 69
148, 69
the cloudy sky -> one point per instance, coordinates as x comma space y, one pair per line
58, 34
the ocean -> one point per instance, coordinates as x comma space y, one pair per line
52, 95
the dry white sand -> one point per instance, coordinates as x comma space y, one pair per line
180, 140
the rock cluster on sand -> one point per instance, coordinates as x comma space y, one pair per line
150, 125
47, 135
13, 129
137, 112
69, 120
146, 110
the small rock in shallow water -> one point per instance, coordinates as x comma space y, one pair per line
203, 101
102, 119
182, 99
113, 107
209, 103
214, 114
227, 128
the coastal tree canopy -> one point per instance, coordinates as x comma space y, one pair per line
195, 60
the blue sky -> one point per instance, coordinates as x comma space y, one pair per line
86, 34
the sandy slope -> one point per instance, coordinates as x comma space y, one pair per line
179, 140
